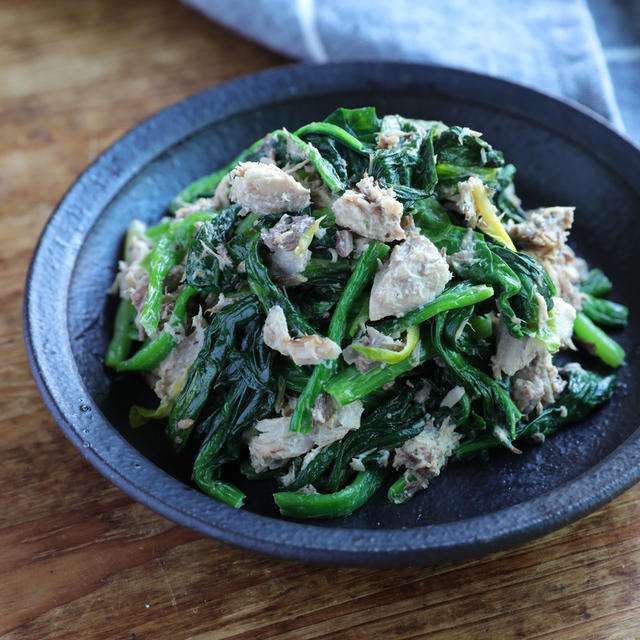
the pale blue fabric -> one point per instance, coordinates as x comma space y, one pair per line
548, 44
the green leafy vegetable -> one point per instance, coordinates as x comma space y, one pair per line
409, 166
493, 395
152, 353
203, 269
461, 154
334, 505
584, 392
229, 402
351, 385
471, 257
534, 281
596, 284
362, 123
211, 359
505, 198
459, 295
362, 274
606, 312
121, 340
597, 341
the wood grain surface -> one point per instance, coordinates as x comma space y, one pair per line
78, 558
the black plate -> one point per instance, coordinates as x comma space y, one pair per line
564, 155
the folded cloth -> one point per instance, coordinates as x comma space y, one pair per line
546, 44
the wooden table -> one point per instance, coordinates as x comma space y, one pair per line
78, 558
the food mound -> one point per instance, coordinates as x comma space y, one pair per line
358, 303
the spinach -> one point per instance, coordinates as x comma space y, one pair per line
505, 199
534, 279
408, 167
331, 138
596, 284
203, 269
269, 294
330, 152
250, 394
458, 337
606, 312
358, 442
362, 123
584, 392
325, 282
395, 420
461, 155
234, 381
287, 148
492, 395
476, 260
248, 379
203, 373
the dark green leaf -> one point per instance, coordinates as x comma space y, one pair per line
596, 284
605, 312
203, 268
460, 155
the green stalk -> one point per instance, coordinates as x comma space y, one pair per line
597, 341
331, 505
397, 492
243, 227
597, 284
351, 385
475, 446
163, 258
203, 472
139, 416
606, 312
463, 294
154, 352
159, 230
361, 316
336, 132
222, 491
481, 326
121, 341
166, 254
362, 274
389, 356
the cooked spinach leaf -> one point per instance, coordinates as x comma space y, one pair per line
423, 377
461, 154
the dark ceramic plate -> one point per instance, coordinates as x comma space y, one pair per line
564, 156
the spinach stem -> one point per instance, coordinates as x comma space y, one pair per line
360, 278
331, 505
597, 341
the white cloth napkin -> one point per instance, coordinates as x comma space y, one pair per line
551, 45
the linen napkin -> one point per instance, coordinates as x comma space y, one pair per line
547, 44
